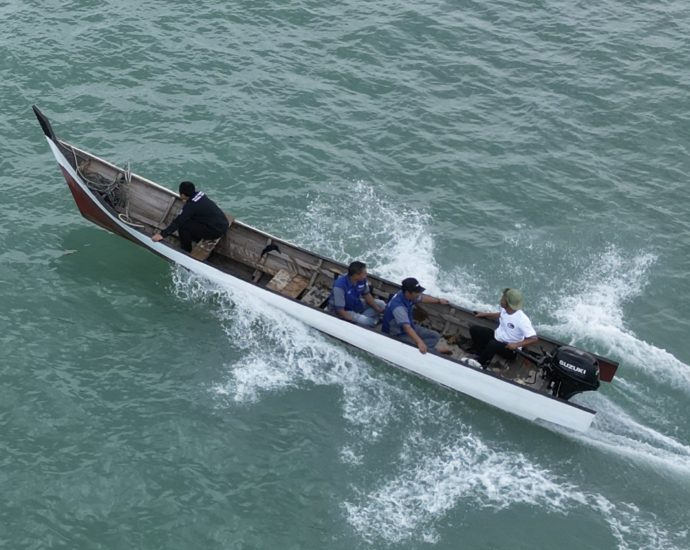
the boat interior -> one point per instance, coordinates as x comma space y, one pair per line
284, 268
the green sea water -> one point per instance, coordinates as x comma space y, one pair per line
474, 145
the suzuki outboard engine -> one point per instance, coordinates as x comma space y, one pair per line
573, 371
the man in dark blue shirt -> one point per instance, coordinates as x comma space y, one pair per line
199, 219
398, 319
351, 295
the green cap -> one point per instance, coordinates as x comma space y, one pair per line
513, 298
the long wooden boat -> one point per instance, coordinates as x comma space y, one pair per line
536, 384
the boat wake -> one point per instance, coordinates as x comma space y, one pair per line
466, 473
438, 465
433, 476
615, 431
593, 314
593, 317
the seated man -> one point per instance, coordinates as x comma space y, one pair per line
349, 295
514, 330
398, 320
199, 219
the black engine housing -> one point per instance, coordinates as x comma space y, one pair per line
573, 371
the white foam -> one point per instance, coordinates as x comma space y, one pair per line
349, 455
615, 431
596, 302
396, 238
468, 474
278, 352
593, 312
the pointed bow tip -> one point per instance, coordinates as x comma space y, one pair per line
44, 122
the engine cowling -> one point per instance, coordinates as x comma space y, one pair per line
573, 371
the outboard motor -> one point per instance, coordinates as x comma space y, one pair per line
573, 371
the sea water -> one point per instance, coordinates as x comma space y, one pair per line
474, 146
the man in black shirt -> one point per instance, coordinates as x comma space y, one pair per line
199, 219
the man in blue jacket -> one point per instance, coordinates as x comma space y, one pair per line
199, 219
351, 295
398, 319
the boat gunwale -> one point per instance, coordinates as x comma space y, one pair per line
547, 339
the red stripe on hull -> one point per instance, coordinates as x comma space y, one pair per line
89, 209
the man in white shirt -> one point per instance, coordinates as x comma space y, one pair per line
514, 330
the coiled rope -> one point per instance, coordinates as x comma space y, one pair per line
111, 191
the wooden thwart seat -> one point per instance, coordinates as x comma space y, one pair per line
289, 284
316, 296
202, 250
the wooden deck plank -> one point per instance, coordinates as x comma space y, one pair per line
288, 283
202, 250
